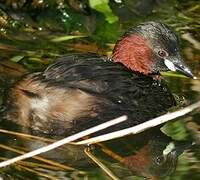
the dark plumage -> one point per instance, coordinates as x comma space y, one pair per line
110, 90
82, 90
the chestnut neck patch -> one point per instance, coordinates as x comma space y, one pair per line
134, 53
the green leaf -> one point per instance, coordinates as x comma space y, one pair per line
17, 58
176, 130
103, 7
173, 74
65, 38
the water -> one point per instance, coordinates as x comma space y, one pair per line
34, 37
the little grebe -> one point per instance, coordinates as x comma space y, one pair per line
79, 91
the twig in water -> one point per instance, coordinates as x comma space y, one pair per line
110, 153
36, 165
26, 135
142, 127
47, 161
100, 164
64, 141
37, 172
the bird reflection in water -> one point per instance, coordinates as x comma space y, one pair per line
150, 154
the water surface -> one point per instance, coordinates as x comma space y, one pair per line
32, 35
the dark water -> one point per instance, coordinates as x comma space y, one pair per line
30, 35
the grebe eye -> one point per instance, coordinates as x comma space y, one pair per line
162, 53
159, 160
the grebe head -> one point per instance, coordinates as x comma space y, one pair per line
149, 48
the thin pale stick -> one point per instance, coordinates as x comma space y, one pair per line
47, 161
35, 165
64, 141
141, 127
37, 172
101, 165
26, 135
